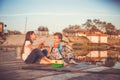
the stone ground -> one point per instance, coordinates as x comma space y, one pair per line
12, 69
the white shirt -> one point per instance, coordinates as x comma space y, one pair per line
27, 50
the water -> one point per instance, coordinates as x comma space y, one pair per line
108, 58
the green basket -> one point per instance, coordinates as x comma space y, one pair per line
57, 63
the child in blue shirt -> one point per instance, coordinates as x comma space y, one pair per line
59, 50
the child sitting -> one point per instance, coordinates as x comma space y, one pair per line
31, 52
59, 50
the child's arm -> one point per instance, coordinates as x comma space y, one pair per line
41, 45
51, 45
33, 46
67, 45
50, 49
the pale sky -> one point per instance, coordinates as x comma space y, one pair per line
57, 14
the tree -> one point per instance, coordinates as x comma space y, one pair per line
88, 24
94, 28
103, 26
94, 24
110, 29
43, 28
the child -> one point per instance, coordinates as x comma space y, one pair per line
31, 52
59, 50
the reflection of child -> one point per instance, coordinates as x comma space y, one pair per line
59, 50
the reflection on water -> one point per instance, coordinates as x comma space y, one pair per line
107, 58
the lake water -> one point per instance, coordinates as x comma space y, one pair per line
109, 58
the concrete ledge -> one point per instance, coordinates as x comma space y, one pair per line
16, 47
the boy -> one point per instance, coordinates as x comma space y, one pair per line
59, 50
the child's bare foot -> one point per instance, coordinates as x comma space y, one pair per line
44, 62
65, 64
72, 61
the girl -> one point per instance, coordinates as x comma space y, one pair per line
31, 52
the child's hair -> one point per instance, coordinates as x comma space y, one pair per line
59, 35
27, 38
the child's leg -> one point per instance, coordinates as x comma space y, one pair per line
33, 57
72, 61
45, 60
45, 52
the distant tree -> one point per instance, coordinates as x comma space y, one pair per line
72, 28
103, 26
17, 32
94, 28
10, 32
110, 29
88, 24
94, 24
43, 28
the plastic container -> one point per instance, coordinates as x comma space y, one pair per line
57, 63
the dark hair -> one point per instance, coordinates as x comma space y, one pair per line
59, 35
27, 38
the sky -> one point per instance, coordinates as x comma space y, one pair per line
56, 14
